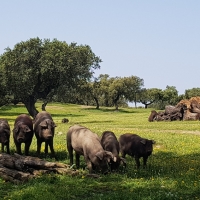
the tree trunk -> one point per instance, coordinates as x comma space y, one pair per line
116, 106
116, 102
135, 100
30, 106
97, 102
44, 106
18, 169
146, 104
135, 104
106, 103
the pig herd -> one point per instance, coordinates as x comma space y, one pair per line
100, 153
24, 128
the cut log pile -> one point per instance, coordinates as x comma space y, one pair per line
187, 109
18, 169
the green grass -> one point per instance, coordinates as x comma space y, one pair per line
173, 170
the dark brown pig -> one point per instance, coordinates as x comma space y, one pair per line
4, 135
110, 143
136, 146
84, 142
44, 128
23, 132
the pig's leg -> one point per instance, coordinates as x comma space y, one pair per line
52, 149
8, 148
46, 148
70, 151
18, 147
77, 160
137, 161
38, 147
145, 161
27, 146
89, 164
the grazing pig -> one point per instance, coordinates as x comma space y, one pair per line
110, 143
23, 132
4, 135
84, 142
135, 146
44, 128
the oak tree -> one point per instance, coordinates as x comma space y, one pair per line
35, 68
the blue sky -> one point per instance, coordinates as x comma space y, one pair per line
156, 40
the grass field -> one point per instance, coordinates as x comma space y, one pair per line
173, 170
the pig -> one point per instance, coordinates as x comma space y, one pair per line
23, 132
136, 146
110, 143
44, 128
84, 142
4, 135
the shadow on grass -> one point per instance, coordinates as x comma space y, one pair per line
121, 110
67, 115
95, 122
167, 176
11, 114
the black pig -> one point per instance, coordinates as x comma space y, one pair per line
44, 128
110, 143
136, 146
4, 135
23, 132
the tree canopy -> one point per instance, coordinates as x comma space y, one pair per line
149, 96
35, 68
192, 93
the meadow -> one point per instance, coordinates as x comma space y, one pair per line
173, 169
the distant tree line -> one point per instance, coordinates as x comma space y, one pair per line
56, 71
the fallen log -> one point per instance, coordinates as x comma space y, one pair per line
16, 168
13, 175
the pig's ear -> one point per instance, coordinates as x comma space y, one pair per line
99, 155
16, 129
26, 129
143, 141
53, 124
43, 124
108, 154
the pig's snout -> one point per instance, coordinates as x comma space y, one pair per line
20, 139
48, 137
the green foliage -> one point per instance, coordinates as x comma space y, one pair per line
149, 96
172, 170
170, 95
117, 90
35, 69
194, 92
